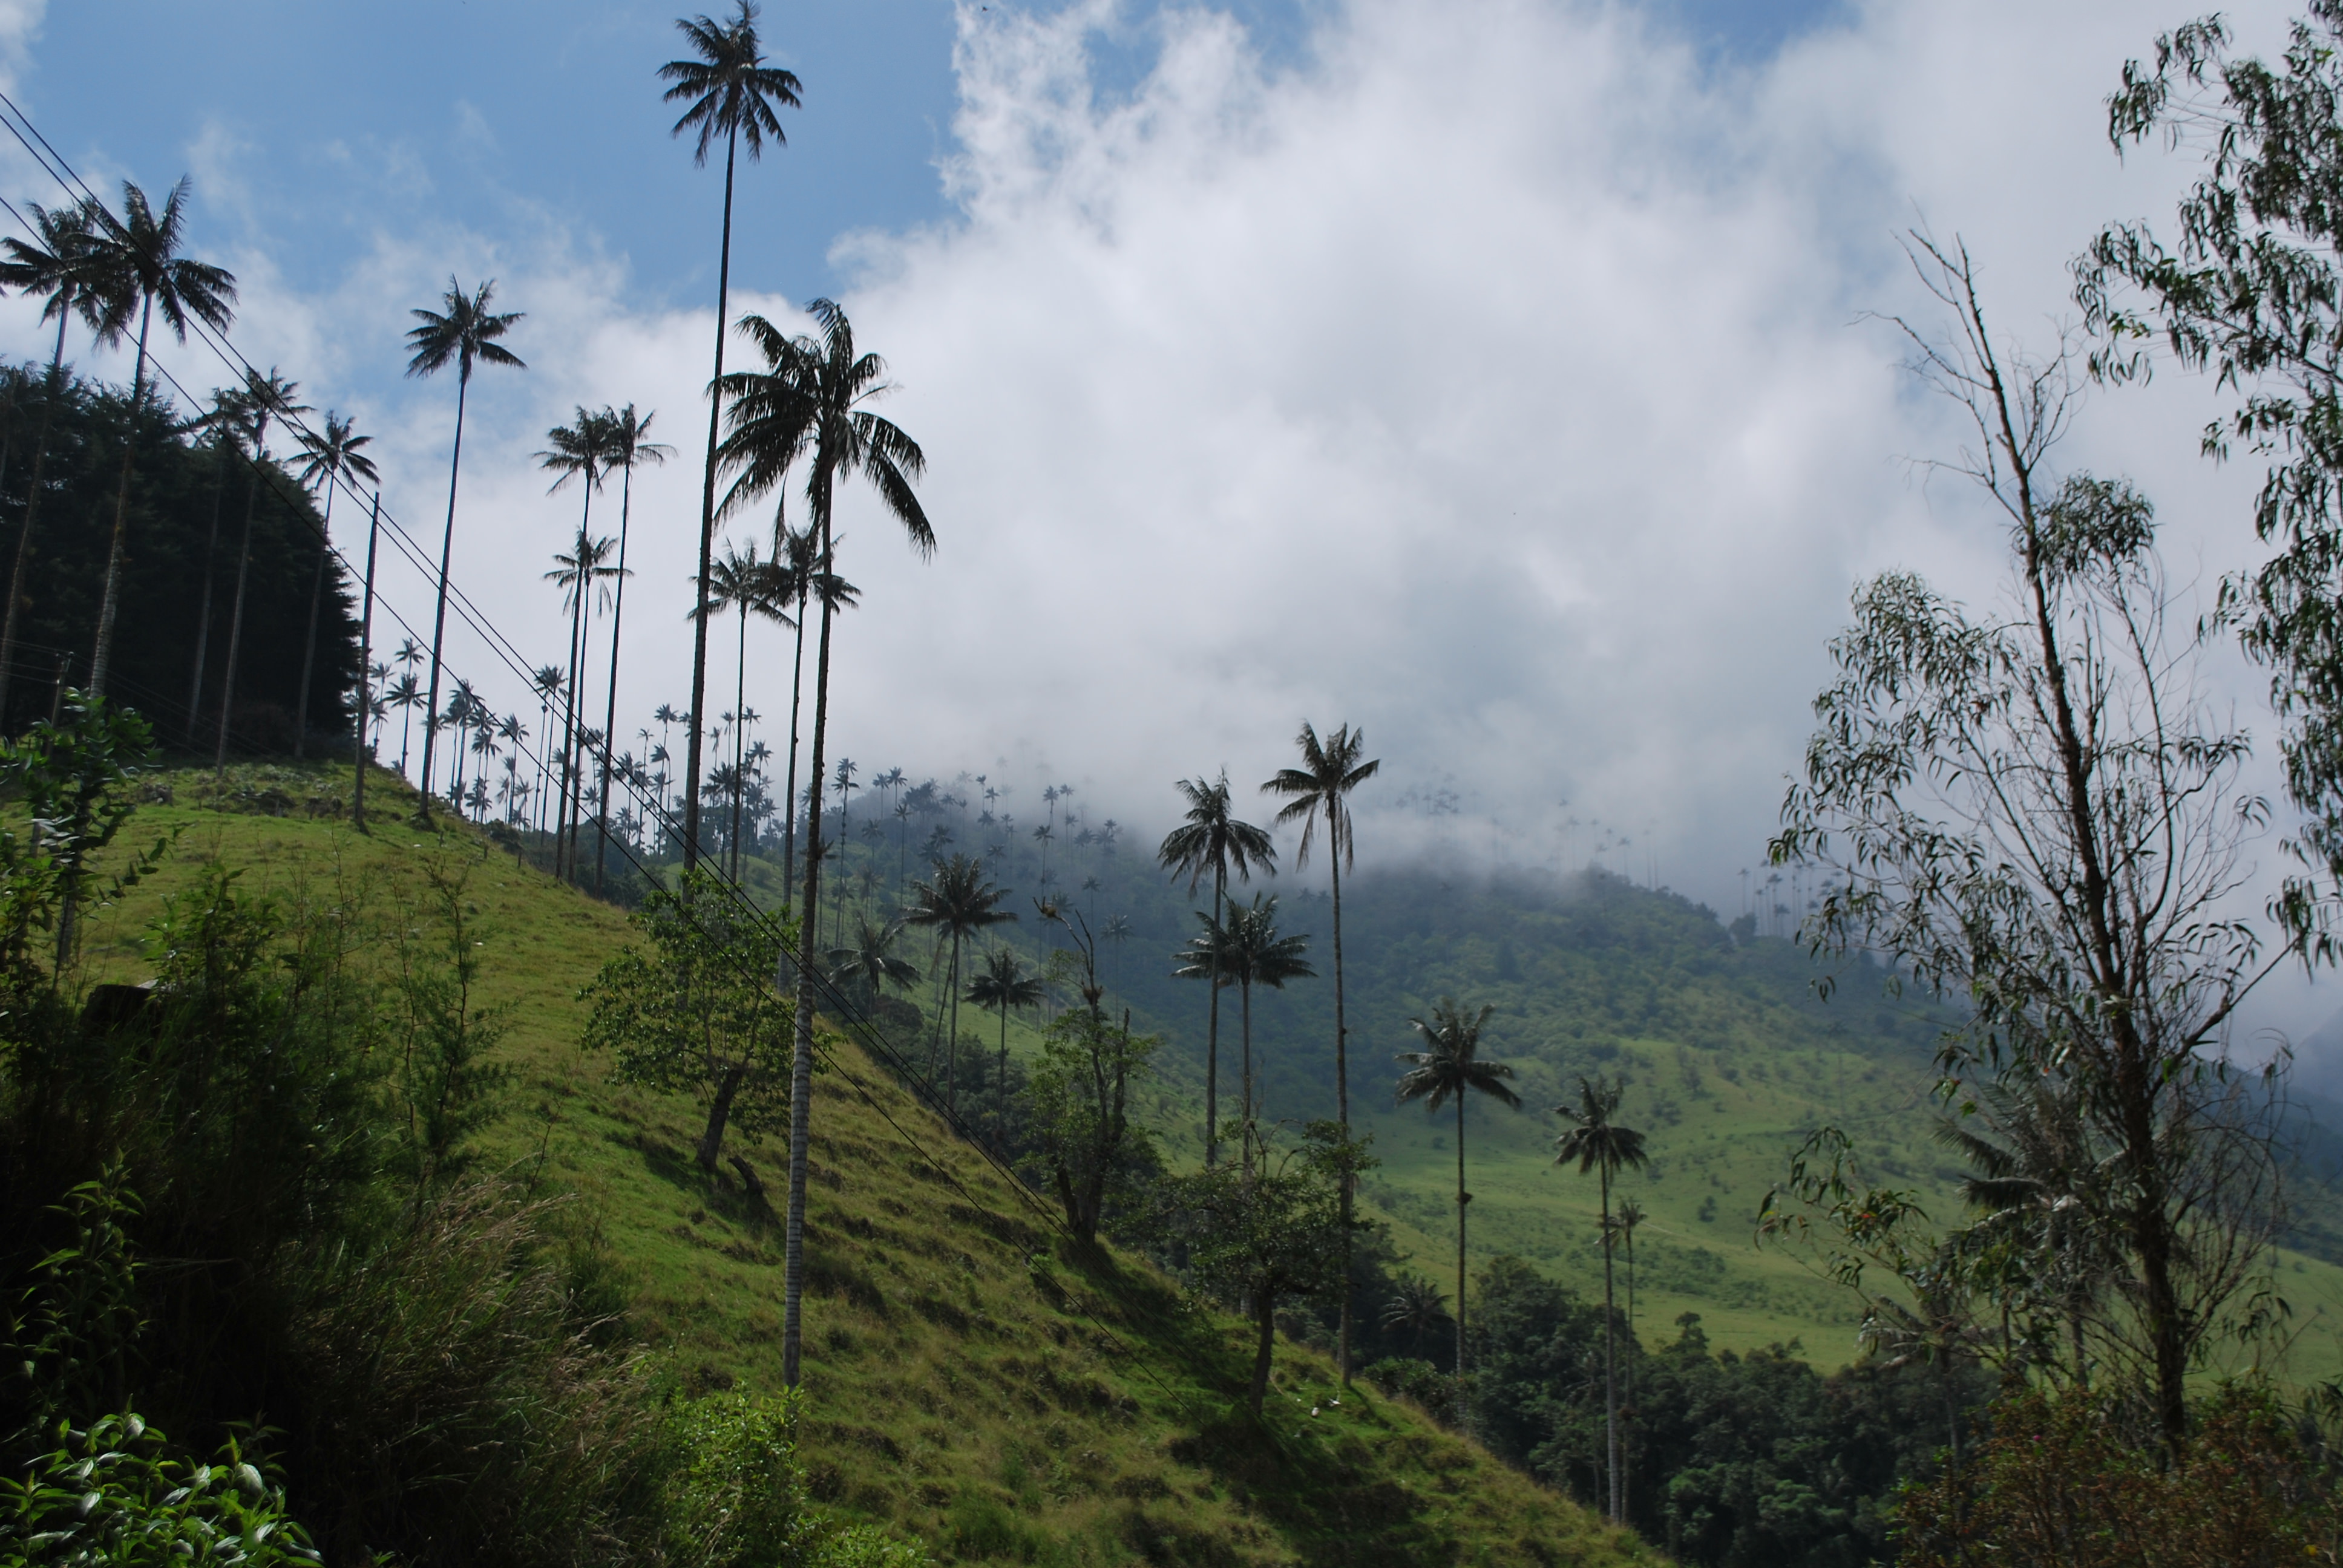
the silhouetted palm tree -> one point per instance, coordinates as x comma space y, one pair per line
631, 444
333, 458
1416, 1306
264, 397
136, 258
1210, 839
583, 451
59, 265
1448, 1068
1254, 953
809, 404
1598, 1143
578, 574
1004, 985
1320, 788
465, 331
404, 694
742, 581
226, 415
730, 92
957, 902
868, 964
1624, 1224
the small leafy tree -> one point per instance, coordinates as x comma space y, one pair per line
1089, 1148
447, 1086
693, 1006
1269, 1236
73, 778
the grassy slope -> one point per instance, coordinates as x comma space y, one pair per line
952, 1358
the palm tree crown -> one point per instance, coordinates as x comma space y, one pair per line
1451, 1069
466, 331
1210, 839
956, 902
729, 89
61, 264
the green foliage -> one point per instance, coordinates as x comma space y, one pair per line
73, 1353
446, 1081
2050, 1490
1092, 1148
697, 1009
742, 1491
107, 1496
72, 778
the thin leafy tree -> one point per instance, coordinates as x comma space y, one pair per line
137, 257
333, 459
60, 266
1210, 839
1319, 790
582, 450
1597, 1142
1006, 986
466, 331
810, 403
266, 397
957, 903
631, 446
1450, 1068
730, 92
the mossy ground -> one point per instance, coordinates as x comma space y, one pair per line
973, 1384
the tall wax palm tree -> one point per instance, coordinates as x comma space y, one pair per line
466, 331
333, 459
265, 398
1242, 951
810, 403
1320, 791
404, 694
957, 903
730, 92
1006, 986
549, 682
1417, 1306
226, 415
1210, 839
743, 582
631, 446
584, 451
62, 265
797, 558
136, 258
578, 573
869, 964
1625, 1223
1597, 1142
1449, 1068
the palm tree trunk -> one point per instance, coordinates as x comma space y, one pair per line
1627, 1415
31, 510
1610, 1352
610, 710
570, 711
1212, 1025
1005, 1053
707, 543
366, 671
236, 627
309, 649
1462, 1197
951, 1052
203, 616
790, 806
102, 661
1342, 1097
439, 615
740, 732
801, 1056
1245, 1126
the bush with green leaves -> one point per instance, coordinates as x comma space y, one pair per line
740, 1499
108, 1495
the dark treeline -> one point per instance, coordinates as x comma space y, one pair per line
182, 485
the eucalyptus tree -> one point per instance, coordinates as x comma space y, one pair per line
265, 398
581, 573
811, 404
584, 450
730, 92
1210, 839
631, 446
1450, 1068
1597, 1142
59, 265
957, 903
1006, 986
464, 330
333, 459
1245, 950
136, 258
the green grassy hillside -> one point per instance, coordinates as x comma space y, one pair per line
971, 1385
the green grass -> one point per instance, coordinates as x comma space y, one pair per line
971, 1384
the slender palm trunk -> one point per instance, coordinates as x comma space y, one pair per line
707, 543
32, 511
366, 672
951, 1052
569, 709
789, 805
102, 661
1246, 1127
1341, 1094
309, 649
236, 620
1610, 1351
801, 1061
739, 733
610, 710
1462, 1197
439, 615
203, 616
1212, 1024
1004, 1052
1627, 1413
